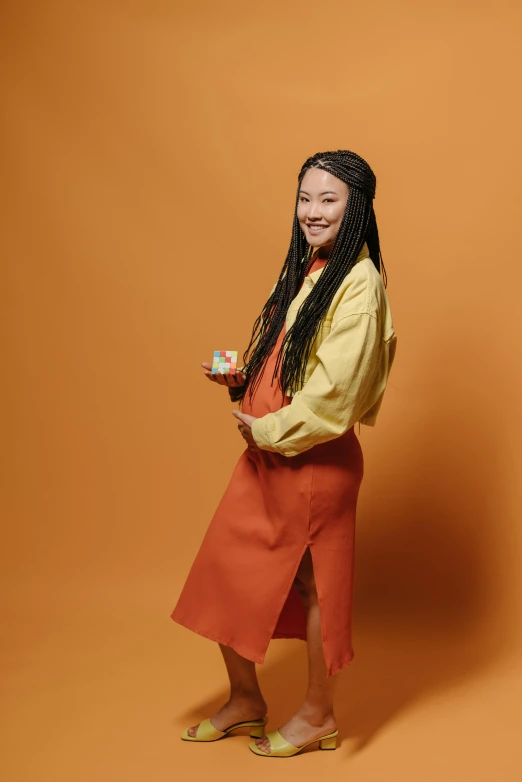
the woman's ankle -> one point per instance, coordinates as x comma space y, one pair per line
247, 695
317, 713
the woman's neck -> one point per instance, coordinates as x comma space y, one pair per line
322, 252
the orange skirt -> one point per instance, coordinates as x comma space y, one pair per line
240, 590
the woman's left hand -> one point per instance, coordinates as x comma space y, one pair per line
245, 427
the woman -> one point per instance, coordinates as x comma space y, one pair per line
277, 560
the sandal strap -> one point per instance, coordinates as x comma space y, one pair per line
207, 731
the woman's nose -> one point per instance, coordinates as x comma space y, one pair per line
314, 210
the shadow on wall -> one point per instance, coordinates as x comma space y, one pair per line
429, 604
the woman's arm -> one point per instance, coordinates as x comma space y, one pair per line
347, 381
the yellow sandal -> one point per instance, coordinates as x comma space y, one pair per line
207, 732
281, 748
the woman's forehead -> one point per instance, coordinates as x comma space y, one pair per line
317, 179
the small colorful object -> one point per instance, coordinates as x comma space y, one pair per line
224, 361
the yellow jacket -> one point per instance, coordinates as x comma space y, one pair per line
348, 366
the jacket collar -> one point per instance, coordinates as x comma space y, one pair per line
314, 276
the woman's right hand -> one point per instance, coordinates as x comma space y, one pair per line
228, 379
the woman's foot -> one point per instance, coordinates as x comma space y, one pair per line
237, 709
303, 727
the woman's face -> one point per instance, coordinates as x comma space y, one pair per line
322, 200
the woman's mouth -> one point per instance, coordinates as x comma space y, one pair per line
316, 229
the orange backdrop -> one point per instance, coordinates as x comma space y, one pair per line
150, 154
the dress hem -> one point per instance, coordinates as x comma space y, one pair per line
251, 655
205, 634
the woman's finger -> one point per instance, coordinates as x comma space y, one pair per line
235, 378
230, 379
215, 377
221, 378
225, 378
239, 379
207, 371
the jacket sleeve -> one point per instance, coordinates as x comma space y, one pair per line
337, 393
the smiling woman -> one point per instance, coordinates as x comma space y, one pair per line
277, 560
320, 209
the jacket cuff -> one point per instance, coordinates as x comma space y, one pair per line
261, 433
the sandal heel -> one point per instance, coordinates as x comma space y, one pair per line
330, 743
257, 732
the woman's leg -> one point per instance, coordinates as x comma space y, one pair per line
316, 715
246, 701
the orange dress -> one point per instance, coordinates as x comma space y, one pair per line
240, 589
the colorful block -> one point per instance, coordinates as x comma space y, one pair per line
224, 361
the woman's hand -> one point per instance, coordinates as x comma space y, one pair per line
245, 427
229, 379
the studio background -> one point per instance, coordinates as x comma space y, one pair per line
150, 153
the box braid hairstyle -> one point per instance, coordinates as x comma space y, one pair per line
358, 225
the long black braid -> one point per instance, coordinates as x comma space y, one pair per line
358, 225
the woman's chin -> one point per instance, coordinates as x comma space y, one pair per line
318, 244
